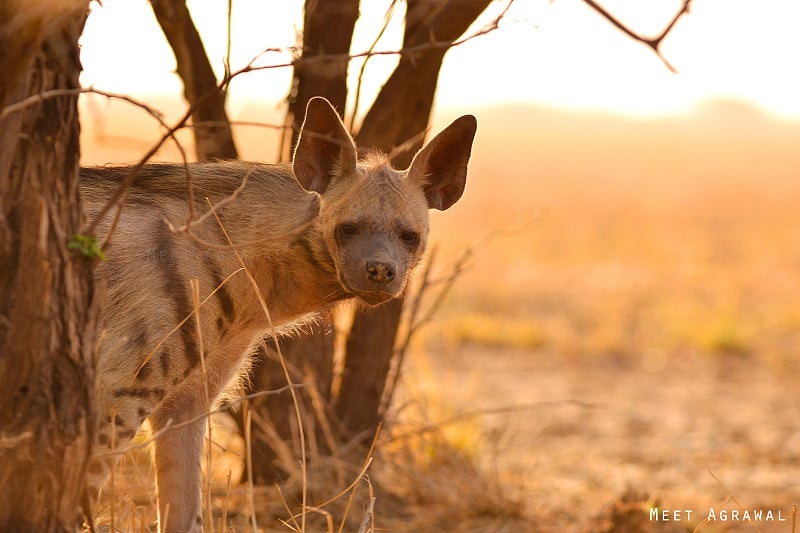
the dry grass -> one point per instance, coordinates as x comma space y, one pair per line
420, 482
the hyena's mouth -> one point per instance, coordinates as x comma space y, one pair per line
374, 298
369, 296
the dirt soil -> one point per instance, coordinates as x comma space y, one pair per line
691, 434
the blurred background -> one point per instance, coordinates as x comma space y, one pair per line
626, 330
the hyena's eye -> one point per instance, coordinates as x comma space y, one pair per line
347, 230
411, 238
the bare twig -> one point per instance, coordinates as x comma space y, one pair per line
653, 42
227, 60
192, 222
194, 284
212, 123
55, 93
415, 319
121, 194
248, 438
408, 145
387, 18
171, 427
505, 409
156, 114
282, 360
732, 498
367, 516
430, 45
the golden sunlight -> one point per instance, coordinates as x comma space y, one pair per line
558, 53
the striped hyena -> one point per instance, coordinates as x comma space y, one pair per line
327, 228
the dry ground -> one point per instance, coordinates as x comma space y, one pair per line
585, 432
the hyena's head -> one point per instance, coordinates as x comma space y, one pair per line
374, 219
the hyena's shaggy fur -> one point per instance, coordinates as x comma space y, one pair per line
326, 229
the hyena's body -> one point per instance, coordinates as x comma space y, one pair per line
333, 229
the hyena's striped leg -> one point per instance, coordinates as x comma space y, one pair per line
179, 425
178, 452
122, 412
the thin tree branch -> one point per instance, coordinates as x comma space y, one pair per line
232, 404
653, 43
387, 18
430, 45
504, 409
416, 319
55, 93
120, 195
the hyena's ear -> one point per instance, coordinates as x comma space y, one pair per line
324, 147
441, 166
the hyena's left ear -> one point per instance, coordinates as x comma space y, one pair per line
441, 166
324, 147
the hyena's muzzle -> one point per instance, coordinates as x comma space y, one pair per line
374, 265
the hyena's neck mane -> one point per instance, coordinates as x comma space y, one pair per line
298, 276
313, 270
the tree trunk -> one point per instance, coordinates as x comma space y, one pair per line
328, 29
322, 68
47, 304
274, 428
368, 357
212, 130
400, 113
412, 86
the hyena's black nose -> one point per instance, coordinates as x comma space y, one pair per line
379, 272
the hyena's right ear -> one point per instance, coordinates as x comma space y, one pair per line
324, 147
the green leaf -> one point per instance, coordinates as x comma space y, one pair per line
86, 245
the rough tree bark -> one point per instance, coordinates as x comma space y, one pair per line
402, 109
400, 113
322, 71
328, 30
274, 428
47, 309
212, 130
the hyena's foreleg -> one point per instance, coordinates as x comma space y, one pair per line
179, 429
179, 426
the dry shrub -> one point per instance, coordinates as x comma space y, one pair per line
630, 513
443, 488
420, 483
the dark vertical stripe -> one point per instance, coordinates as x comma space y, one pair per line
175, 286
223, 295
145, 394
138, 338
136, 345
163, 361
321, 260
